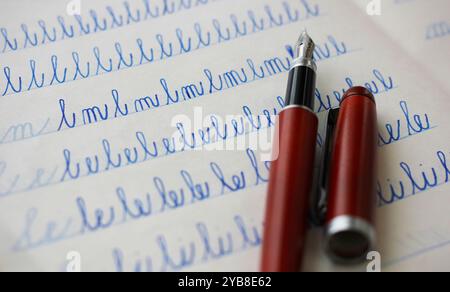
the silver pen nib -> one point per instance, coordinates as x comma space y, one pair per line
305, 46
304, 50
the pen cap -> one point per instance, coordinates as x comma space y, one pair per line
350, 234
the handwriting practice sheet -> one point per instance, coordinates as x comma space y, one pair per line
110, 112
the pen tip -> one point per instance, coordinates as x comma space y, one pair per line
305, 45
304, 38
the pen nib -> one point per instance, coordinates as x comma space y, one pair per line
305, 46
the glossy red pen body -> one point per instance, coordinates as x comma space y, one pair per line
350, 233
291, 172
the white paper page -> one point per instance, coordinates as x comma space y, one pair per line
422, 28
193, 210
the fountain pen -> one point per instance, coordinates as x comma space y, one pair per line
292, 167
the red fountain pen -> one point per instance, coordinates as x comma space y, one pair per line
291, 173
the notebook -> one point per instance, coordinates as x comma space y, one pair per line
131, 130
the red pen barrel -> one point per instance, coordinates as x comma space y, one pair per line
352, 179
290, 185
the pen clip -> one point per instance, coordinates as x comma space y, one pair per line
320, 196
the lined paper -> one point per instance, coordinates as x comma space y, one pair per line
99, 161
